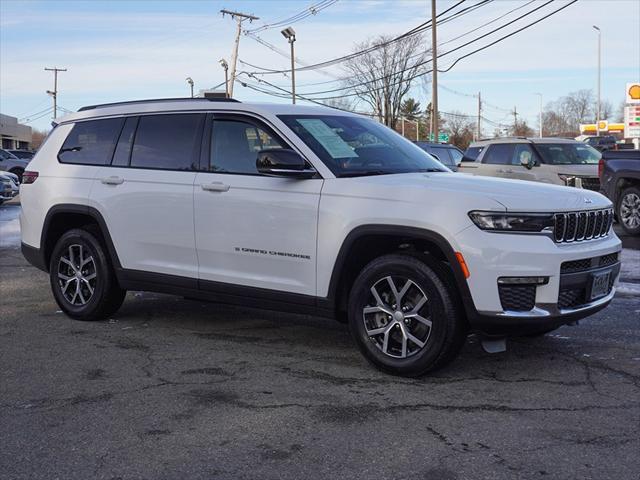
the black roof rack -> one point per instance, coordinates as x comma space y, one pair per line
159, 100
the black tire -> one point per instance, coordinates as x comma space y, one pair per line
441, 340
106, 297
629, 195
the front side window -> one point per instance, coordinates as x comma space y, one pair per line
354, 146
235, 145
523, 154
168, 142
443, 155
499, 154
568, 153
91, 142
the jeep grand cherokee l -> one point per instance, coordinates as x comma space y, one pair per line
308, 209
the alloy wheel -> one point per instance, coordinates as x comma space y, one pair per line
77, 275
397, 320
630, 210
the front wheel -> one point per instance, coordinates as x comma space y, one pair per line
403, 316
82, 279
629, 210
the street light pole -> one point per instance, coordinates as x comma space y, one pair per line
540, 95
434, 56
190, 82
599, 75
290, 34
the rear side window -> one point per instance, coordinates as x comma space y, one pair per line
91, 142
499, 154
471, 155
168, 142
123, 150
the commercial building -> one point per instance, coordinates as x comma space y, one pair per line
14, 135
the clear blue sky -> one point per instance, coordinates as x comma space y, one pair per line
121, 50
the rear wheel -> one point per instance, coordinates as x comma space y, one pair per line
403, 317
82, 278
629, 210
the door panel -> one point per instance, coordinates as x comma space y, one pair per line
146, 196
251, 229
259, 231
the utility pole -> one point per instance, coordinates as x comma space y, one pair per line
479, 134
54, 93
434, 54
599, 75
515, 121
290, 34
239, 18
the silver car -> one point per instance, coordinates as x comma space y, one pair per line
10, 163
550, 160
9, 186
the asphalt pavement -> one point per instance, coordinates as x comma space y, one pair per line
171, 388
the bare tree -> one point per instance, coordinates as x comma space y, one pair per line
340, 104
37, 138
383, 76
460, 129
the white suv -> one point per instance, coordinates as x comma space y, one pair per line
308, 209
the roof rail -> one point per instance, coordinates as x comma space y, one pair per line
158, 100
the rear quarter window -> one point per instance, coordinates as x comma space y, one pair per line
91, 142
471, 154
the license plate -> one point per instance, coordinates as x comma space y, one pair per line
599, 284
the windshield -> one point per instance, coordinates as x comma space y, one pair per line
568, 153
352, 146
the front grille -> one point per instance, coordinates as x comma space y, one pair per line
588, 263
579, 226
591, 183
517, 298
571, 298
576, 296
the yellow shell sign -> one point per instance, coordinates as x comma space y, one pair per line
633, 92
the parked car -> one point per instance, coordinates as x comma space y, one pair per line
24, 154
602, 143
448, 155
10, 163
312, 210
548, 160
620, 181
9, 186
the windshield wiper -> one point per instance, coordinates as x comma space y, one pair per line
364, 173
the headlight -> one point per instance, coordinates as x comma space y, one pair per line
513, 222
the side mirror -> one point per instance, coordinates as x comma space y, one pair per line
282, 162
527, 161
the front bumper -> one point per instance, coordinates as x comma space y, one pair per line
490, 256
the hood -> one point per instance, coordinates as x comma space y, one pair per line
476, 191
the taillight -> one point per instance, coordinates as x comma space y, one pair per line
29, 177
600, 167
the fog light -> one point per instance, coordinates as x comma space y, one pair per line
523, 280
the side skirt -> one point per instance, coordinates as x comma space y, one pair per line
224, 293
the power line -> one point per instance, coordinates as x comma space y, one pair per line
416, 30
316, 99
350, 87
307, 12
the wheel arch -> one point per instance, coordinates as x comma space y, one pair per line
64, 217
366, 242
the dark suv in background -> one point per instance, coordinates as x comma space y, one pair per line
447, 154
620, 181
602, 143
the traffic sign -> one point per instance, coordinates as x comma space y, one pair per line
442, 137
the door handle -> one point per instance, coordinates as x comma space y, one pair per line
112, 180
215, 187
